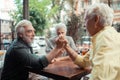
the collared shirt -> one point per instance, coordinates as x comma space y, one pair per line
104, 56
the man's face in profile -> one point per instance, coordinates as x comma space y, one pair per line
29, 34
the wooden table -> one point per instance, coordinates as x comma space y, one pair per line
63, 70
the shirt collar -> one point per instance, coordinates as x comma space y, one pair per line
94, 36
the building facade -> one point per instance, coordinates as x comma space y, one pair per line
6, 6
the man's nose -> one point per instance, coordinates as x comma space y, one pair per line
61, 35
33, 33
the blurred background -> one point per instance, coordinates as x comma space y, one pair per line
44, 14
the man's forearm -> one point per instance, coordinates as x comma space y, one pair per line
71, 52
53, 54
82, 61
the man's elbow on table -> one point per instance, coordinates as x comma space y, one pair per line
82, 61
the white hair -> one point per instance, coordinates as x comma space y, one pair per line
59, 26
19, 28
103, 10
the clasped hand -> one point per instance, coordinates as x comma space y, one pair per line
61, 41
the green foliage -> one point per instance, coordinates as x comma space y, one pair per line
17, 14
38, 21
40, 5
41, 12
37, 14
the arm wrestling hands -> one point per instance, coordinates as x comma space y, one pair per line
61, 42
72, 53
59, 49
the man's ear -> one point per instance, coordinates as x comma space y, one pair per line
97, 18
20, 35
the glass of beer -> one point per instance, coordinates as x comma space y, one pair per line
84, 51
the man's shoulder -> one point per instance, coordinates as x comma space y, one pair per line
69, 37
52, 38
18, 45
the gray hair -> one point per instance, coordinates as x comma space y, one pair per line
59, 26
19, 28
103, 10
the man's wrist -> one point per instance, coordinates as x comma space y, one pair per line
67, 46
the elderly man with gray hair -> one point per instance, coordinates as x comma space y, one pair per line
60, 29
20, 59
104, 57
